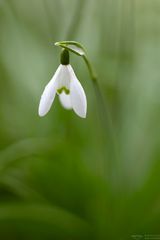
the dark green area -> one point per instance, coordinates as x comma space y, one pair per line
64, 57
63, 89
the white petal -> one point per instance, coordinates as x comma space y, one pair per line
63, 77
49, 93
78, 97
65, 100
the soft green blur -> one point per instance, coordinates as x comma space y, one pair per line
67, 178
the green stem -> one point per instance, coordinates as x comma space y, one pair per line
91, 71
105, 116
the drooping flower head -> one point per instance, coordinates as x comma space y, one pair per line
65, 84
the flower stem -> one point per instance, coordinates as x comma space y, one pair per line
106, 120
90, 68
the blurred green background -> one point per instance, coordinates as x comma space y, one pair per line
62, 177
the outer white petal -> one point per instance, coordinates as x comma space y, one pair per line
49, 93
78, 97
65, 100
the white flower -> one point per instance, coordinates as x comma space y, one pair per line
67, 86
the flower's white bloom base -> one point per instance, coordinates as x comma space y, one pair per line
74, 98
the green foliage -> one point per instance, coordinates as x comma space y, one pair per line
62, 177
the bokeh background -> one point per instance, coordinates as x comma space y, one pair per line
62, 177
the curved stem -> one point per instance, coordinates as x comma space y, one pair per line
105, 117
90, 68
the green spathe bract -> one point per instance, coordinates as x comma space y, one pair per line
72, 46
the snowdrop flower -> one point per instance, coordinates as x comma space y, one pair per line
65, 84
